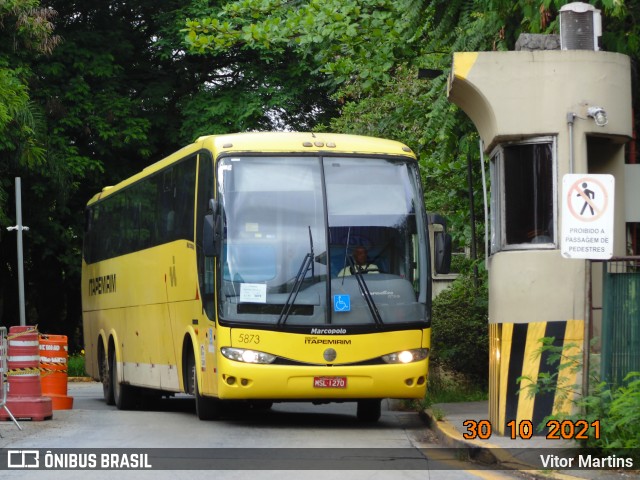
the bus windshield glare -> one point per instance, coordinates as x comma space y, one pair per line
314, 240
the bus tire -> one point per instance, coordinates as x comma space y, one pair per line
207, 408
105, 377
369, 410
122, 394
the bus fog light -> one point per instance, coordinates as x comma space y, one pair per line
406, 356
247, 356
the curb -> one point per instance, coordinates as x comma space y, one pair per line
80, 379
484, 453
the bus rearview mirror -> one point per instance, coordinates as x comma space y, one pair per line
442, 252
208, 236
442, 244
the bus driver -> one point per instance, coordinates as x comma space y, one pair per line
360, 262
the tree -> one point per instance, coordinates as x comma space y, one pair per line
110, 94
345, 41
25, 29
133, 81
369, 53
26, 33
460, 333
117, 94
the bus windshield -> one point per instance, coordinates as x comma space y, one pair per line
321, 240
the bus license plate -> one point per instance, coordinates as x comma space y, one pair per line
330, 382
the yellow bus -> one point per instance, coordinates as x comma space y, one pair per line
234, 270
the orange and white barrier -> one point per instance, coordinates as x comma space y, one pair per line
54, 358
24, 392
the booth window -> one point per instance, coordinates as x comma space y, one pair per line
523, 192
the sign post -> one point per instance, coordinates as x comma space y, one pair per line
587, 216
19, 228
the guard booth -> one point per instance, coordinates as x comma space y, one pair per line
542, 114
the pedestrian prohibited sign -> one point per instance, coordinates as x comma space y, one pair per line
587, 216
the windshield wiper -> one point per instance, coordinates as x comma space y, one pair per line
307, 264
365, 292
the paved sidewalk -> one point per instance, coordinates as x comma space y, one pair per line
504, 452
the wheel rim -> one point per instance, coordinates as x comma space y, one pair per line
104, 375
114, 377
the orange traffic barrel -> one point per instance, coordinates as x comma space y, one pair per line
54, 358
24, 395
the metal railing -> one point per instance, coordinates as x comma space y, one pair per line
4, 353
620, 316
620, 319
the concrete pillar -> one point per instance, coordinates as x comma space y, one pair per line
531, 109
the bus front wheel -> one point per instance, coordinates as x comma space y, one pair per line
106, 378
207, 408
369, 410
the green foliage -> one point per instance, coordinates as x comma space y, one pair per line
367, 54
133, 81
341, 37
117, 94
25, 31
459, 334
618, 411
371, 37
398, 111
447, 387
75, 365
13, 95
615, 408
30, 25
563, 359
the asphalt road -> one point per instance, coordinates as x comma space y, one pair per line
257, 444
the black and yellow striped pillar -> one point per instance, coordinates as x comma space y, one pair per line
515, 353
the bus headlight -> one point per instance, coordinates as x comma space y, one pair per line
407, 356
247, 356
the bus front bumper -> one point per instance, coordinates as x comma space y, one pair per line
283, 382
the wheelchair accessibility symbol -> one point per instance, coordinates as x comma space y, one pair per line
341, 303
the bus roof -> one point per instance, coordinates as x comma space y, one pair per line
271, 142
292, 142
